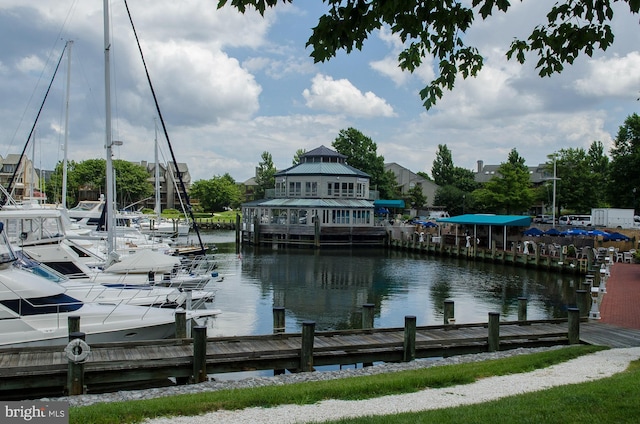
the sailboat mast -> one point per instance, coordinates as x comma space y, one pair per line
158, 210
108, 204
66, 128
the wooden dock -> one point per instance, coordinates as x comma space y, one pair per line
38, 372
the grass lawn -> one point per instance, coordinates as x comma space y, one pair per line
609, 400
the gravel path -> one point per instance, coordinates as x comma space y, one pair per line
586, 368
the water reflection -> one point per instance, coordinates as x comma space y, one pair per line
330, 286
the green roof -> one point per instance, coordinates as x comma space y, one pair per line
487, 219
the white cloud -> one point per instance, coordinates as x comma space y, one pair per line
340, 96
612, 76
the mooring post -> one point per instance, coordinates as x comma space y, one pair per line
409, 352
278, 328
76, 353
494, 331
181, 324
574, 325
306, 353
367, 322
581, 303
278, 320
73, 324
367, 316
522, 309
199, 354
449, 314
237, 233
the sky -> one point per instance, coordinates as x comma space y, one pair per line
232, 86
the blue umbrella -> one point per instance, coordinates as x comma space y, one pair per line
552, 232
533, 232
574, 232
598, 233
615, 236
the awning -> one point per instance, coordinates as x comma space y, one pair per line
488, 219
381, 203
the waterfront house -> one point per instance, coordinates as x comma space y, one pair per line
320, 201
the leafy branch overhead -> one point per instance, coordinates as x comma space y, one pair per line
436, 28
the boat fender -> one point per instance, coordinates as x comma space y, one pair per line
77, 350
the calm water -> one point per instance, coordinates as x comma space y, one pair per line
330, 287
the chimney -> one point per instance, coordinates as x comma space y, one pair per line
480, 166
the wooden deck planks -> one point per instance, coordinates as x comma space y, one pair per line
283, 350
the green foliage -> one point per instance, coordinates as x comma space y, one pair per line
624, 186
132, 180
442, 169
361, 153
438, 29
580, 176
265, 175
298, 156
452, 199
416, 198
216, 193
510, 190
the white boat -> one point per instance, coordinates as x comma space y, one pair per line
35, 312
40, 235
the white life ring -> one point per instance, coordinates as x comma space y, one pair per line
77, 350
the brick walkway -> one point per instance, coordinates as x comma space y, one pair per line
621, 304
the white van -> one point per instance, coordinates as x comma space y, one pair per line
577, 220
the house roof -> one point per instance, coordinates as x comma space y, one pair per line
323, 151
487, 219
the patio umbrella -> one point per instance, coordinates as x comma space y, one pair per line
598, 233
574, 232
533, 232
615, 236
552, 232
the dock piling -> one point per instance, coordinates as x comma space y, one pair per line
199, 354
181, 324
449, 315
494, 331
574, 325
409, 352
75, 368
306, 354
522, 309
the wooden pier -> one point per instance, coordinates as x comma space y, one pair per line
37, 372
561, 263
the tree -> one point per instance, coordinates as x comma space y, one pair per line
438, 29
416, 198
217, 193
362, 154
510, 190
265, 175
132, 180
298, 156
442, 169
452, 199
624, 182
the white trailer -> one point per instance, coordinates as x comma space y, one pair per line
612, 217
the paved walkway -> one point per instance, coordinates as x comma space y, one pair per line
621, 304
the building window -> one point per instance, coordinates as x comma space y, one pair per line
311, 189
295, 189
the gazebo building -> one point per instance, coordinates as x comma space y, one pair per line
320, 201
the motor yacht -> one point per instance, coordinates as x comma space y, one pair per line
35, 311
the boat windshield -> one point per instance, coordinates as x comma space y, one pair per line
6, 252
